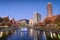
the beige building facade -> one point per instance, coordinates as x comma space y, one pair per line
36, 18
31, 21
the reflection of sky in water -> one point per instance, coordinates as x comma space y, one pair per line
24, 35
29, 35
44, 36
20, 36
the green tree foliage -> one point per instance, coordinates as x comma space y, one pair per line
23, 25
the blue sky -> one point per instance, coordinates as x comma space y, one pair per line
24, 9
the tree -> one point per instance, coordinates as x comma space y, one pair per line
1, 19
47, 21
6, 20
3, 23
23, 25
57, 20
9, 23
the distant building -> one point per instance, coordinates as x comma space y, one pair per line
26, 21
37, 17
49, 10
31, 21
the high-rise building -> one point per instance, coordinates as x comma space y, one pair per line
49, 10
37, 17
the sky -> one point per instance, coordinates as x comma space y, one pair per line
24, 9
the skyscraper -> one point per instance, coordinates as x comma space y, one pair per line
49, 10
37, 17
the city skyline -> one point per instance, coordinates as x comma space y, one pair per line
26, 9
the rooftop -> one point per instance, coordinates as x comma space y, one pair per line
49, 2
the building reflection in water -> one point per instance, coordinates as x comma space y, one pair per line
43, 36
30, 35
31, 32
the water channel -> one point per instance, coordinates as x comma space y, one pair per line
31, 34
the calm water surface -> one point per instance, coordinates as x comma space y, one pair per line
31, 34
23, 35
